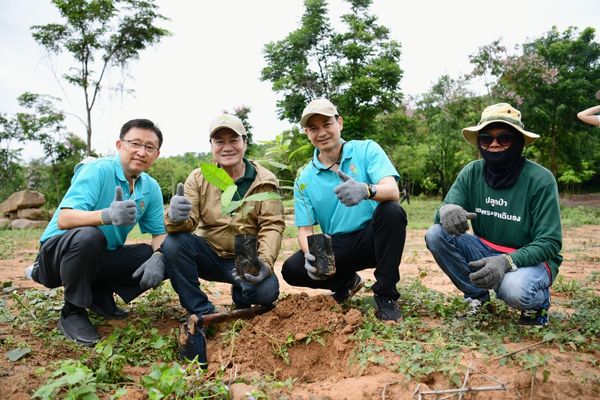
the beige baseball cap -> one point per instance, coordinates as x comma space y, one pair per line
501, 112
318, 106
226, 121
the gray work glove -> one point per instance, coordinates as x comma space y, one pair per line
180, 206
263, 273
454, 219
152, 272
311, 270
489, 271
350, 192
120, 212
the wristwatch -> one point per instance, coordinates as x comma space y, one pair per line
372, 191
513, 266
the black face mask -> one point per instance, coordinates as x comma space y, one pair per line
502, 169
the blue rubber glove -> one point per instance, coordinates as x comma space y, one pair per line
120, 212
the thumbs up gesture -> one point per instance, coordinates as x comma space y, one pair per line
120, 212
350, 192
180, 206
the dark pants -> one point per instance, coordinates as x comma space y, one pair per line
190, 257
379, 244
79, 261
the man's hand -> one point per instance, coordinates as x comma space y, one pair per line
309, 260
180, 206
489, 271
120, 212
152, 272
454, 219
263, 272
350, 192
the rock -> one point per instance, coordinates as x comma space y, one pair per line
241, 391
37, 214
22, 199
28, 224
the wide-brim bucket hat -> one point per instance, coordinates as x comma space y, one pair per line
501, 112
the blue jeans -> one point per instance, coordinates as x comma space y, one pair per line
190, 257
524, 289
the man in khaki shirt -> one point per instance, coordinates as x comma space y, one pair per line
208, 252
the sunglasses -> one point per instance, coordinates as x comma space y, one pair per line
504, 139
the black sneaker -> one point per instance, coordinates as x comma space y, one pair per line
104, 305
110, 312
535, 317
387, 309
342, 296
77, 326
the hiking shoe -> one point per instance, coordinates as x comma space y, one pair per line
474, 306
387, 309
77, 326
535, 317
342, 296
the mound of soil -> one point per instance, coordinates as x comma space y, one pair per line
308, 337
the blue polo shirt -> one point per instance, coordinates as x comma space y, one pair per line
315, 201
93, 188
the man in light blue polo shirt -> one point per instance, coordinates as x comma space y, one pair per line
83, 250
349, 189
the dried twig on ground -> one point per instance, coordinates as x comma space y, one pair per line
521, 349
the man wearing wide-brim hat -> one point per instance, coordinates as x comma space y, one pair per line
513, 206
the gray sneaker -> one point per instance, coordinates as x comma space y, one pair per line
29, 270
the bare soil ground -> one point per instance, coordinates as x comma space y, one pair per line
311, 339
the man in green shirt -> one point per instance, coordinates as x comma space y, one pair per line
513, 206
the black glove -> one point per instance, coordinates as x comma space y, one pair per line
454, 219
350, 192
489, 271
180, 206
263, 272
120, 212
152, 271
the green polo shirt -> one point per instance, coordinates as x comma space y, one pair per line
245, 181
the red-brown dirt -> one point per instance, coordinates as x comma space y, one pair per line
310, 339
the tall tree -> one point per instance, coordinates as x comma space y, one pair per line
99, 34
444, 111
11, 172
357, 69
552, 79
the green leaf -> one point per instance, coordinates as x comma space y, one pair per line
227, 203
263, 196
216, 176
18, 353
278, 164
231, 207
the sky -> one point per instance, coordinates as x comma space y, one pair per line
212, 60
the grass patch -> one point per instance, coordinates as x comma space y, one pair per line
580, 215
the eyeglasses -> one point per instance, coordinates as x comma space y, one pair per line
137, 146
504, 139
